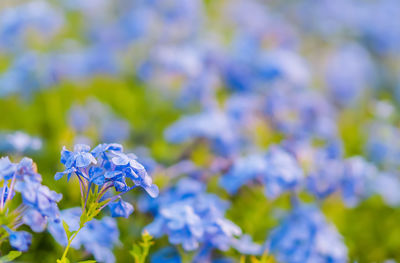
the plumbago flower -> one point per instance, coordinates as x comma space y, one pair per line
196, 220
100, 170
277, 169
38, 203
19, 142
213, 125
306, 236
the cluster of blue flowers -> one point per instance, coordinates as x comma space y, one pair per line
38, 206
99, 170
306, 236
195, 219
105, 167
276, 92
19, 143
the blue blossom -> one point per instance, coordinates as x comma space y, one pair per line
347, 85
39, 15
166, 255
306, 236
382, 147
277, 169
245, 245
80, 157
7, 168
19, 142
212, 125
301, 113
283, 173
37, 207
358, 180
20, 240
387, 185
243, 171
120, 209
39, 203
107, 166
194, 219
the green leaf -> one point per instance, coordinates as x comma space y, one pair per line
10, 256
140, 251
66, 228
87, 261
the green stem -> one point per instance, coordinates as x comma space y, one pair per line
64, 256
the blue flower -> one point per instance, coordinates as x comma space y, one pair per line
194, 219
107, 166
211, 124
79, 158
245, 245
166, 255
35, 220
120, 209
244, 170
39, 203
7, 168
347, 85
283, 173
19, 142
306, 236
20, 240
181, 224
387, 185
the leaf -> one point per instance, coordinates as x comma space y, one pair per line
66, 228
87, 261
10, 256
140, 251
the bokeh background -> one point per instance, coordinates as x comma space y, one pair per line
240, 76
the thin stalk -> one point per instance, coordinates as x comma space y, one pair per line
64, 256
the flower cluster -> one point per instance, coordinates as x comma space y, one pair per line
37, 208
99, 170
103, 168
306, 236
195, 219
19, 142
277, 169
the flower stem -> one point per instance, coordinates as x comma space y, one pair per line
70, 239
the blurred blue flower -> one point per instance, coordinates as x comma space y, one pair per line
120, 209
19, 142
282, 173
277, 169
195, 219
20, 240
38, 15
306, 236
166, 255
212, 125
349, 71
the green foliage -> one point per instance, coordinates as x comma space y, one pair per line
265, 258
140, 250
10, 256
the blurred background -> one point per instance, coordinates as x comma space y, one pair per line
195, 87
